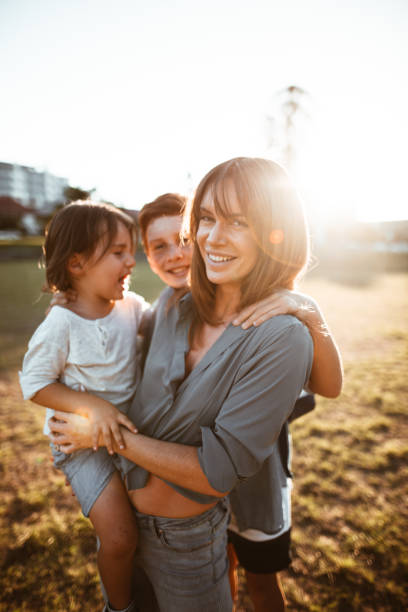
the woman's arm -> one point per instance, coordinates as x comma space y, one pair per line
177, 463
326, 377
238, 438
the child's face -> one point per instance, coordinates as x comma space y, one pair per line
106, 277
167, 256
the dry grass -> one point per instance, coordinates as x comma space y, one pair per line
350, 464
350, 461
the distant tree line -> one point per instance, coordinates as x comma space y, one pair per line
13, 214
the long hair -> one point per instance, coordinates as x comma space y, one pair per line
275, 216
78, 228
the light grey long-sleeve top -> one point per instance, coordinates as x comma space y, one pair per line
232, 405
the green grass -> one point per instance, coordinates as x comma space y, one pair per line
22, 303
350, 517
47, 549
23, 241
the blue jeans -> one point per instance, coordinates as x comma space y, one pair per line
186, 560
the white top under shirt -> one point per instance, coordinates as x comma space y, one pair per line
99, 356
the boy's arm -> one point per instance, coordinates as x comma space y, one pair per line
326, 377
105, 417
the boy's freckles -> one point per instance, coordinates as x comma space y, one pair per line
168, 257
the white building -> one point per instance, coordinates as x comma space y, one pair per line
38, 190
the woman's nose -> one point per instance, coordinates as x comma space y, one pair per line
216, 234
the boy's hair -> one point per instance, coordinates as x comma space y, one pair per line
166, 205
78, 228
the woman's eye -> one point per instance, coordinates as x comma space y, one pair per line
239, 223
205, 218
157, 247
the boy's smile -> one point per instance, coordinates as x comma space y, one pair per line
168, 257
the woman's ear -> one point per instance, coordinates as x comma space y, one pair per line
75, 265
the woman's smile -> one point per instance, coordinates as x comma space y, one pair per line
226, 242
219, 258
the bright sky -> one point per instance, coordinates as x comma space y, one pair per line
132, 97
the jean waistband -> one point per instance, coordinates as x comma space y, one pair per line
149, 520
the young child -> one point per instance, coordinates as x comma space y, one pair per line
82, 359
160, 224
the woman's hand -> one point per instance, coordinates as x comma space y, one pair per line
70, 432
74, 432
104, 418
281, 302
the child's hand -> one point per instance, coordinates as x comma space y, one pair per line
105, 423
280, 302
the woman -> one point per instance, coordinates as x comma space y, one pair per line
262, 555
223, 393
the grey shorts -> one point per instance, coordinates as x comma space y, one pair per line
88, 473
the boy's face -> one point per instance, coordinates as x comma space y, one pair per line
167, 256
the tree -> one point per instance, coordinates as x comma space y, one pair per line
72, 194
11, 213
282, 131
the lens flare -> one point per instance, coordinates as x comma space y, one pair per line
276, 236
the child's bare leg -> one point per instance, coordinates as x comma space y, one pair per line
232, 572
116, 528
266, 592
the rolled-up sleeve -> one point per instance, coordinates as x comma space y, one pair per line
46, 355
259, 402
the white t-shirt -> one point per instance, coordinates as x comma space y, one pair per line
99, 356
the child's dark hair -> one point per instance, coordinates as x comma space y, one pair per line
78, 228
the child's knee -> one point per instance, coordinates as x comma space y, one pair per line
120, 541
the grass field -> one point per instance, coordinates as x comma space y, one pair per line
350, 463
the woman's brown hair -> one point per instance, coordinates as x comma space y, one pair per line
274, 213
166, 205
78, 228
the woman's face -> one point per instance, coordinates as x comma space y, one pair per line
227, 245
167, 256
